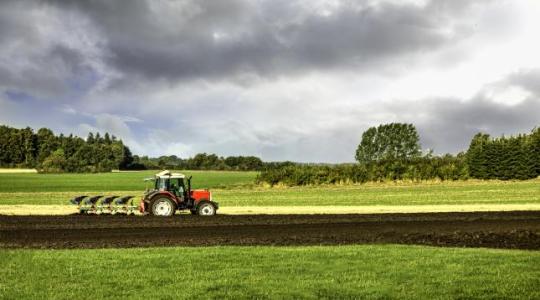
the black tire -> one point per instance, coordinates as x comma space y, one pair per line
206, 209
193, 211
162, 207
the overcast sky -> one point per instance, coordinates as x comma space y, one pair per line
279, 79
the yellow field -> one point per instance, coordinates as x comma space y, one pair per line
13, 171
250, 210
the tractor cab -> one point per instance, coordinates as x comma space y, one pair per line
174, 183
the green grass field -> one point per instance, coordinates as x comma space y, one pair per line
378, 271
119, 181
238, 189
388, 194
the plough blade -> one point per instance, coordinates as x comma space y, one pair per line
107, 205
125, 205
77, 200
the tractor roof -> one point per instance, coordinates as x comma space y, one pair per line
166, 174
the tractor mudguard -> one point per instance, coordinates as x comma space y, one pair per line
167, 194
154, 194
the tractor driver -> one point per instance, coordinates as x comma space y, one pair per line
177, 191
174, 190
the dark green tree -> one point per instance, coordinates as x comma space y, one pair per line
534, 150
90, 138
476, 156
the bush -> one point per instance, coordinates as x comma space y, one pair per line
447, 167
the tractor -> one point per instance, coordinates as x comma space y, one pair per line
172, 192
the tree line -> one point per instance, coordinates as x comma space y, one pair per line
386, 152
515, 157
47, 152
201, 161
446, 167
392, 152
50, 153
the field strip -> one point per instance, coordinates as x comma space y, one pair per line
373, 209
254, 210
14, 171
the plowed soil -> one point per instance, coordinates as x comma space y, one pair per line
519, 230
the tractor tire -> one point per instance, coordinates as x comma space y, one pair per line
193, 211
206, 209
162, 207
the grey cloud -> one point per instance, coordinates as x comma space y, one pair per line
447, 125
224, 39
45, 51
327, 145
526, 79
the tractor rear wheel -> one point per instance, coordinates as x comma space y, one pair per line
162, 207
206, 209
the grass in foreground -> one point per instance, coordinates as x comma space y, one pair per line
443, 193
383, 271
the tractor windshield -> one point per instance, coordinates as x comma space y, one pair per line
177, 186
161, 184
174, 185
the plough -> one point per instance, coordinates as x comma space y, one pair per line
104, 205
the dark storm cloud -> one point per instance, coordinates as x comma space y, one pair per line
222, 39
37, 53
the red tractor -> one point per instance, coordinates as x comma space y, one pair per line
172, 192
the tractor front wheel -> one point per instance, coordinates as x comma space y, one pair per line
206, 209
162, 207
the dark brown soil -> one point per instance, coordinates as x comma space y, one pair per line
518, 230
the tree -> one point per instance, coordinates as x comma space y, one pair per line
107, 138
395, 141
90, 139
534, 151
29, 144
477, 157
126, 158
47, 143
54, 163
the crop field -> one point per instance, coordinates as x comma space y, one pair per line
237, 189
